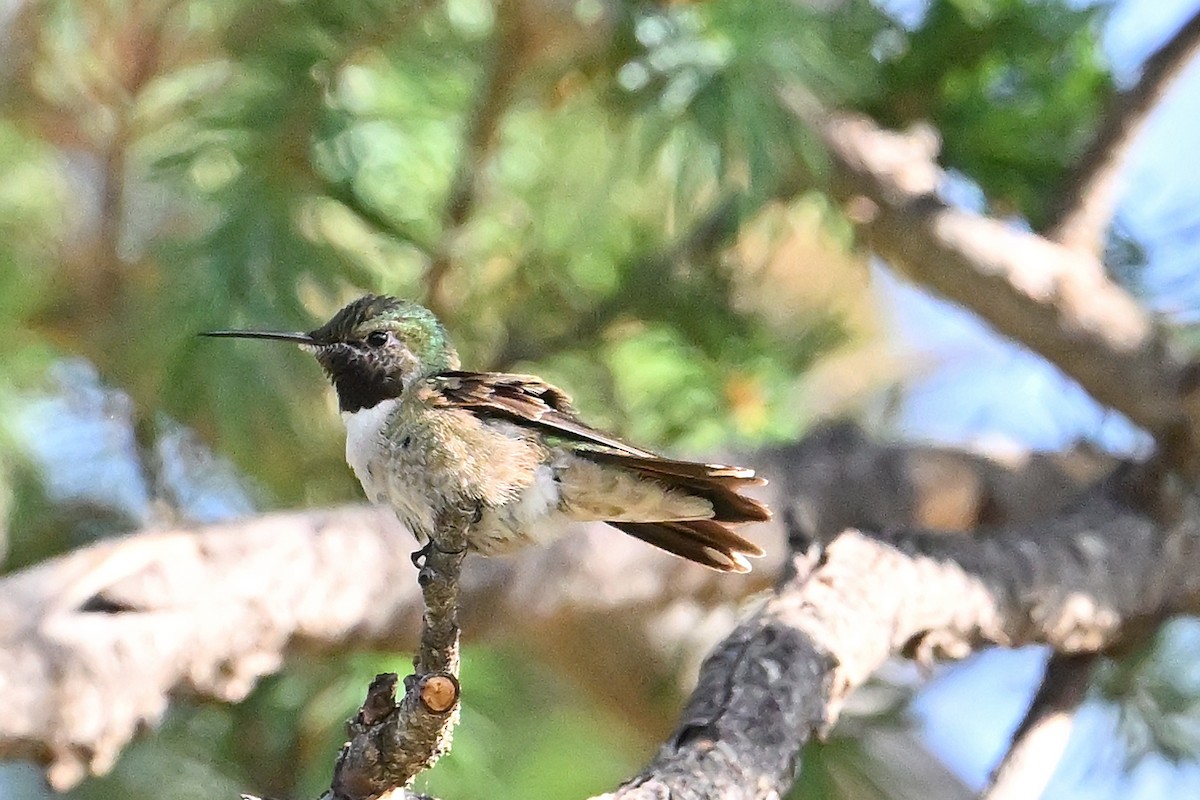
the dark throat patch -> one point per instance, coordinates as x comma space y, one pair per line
361, 379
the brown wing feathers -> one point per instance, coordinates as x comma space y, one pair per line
523, 398
703, 541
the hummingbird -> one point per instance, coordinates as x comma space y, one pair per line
423, 435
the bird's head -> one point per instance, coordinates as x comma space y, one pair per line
372, 349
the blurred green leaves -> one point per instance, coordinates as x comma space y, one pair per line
1015, 88
258, 164
1155, 692
718, 68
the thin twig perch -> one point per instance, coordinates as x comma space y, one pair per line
391, 742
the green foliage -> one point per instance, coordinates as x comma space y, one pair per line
1015, 88
1155, 692
298, 155
717, 70
526, 734
276, 159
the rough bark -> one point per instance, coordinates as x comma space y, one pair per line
784, 674
94, 644
391, 742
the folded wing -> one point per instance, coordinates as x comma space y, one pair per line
693, 506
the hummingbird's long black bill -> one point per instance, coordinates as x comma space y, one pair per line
278, 336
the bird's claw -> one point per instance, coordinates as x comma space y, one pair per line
418, 557
421, 556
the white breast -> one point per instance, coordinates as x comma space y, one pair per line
364, 440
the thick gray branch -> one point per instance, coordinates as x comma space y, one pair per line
784, 674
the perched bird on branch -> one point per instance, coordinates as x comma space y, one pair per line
424, 436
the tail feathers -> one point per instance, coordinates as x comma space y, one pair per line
703, 541
717, 483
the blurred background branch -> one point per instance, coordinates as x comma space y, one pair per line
1043, 733
1090, 193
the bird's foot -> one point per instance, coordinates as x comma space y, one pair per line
421, 556
418, 557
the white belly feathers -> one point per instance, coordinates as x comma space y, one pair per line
398, 476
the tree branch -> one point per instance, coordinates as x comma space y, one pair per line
784, 674
94, 643
1055, 300
1041, 738
1081, 221
1089, 198
1033, 290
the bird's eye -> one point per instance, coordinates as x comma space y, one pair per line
377, 338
